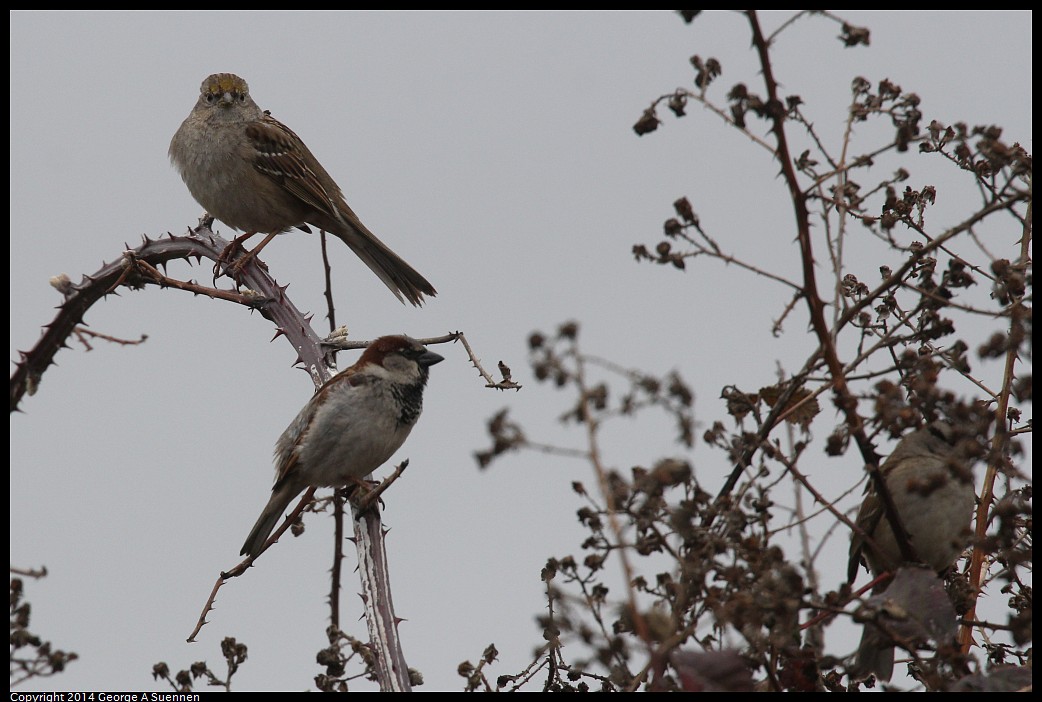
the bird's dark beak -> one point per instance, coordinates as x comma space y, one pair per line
429, 358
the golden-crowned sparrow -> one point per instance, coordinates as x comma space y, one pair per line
931, 486
254, 174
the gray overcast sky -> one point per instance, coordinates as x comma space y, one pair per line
491, 150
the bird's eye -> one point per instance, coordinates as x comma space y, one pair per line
209, 98
242, 98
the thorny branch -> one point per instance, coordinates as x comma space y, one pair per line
256, 290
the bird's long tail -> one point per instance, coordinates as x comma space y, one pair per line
281, 495
399, 276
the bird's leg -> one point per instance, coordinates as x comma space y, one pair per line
230, 251
364, 501
362, 494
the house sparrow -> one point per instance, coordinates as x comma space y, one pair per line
349, 428
254, 174
932, 490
